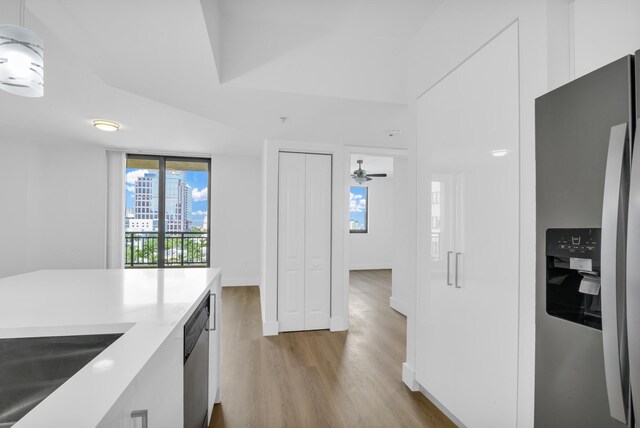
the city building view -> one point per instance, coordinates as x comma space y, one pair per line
182, 238
358, 209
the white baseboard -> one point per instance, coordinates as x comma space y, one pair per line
398, 305
270, 328
338, 324
369, 266
240, 282
409, 377
440, 406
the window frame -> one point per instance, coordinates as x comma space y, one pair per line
366, 212
162, 161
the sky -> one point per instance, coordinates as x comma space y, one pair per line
358, 204
197, 181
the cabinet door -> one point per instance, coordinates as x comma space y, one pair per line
291, 241
317, 242
487, 302
439, 147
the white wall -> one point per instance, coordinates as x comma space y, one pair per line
402, 232
54, 210
374, 249
456, 30
236, 187
604, 31
53, 199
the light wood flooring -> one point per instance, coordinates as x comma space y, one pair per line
319, 378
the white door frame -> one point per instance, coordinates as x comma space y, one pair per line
351, 150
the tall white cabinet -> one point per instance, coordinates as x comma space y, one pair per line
304, 241
468, 207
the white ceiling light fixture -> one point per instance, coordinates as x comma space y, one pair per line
106, 125
21, 59
499, 153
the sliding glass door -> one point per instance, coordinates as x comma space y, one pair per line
167, 212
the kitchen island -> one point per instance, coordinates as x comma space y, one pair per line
138, 378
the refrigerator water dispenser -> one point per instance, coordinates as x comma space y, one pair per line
573, 275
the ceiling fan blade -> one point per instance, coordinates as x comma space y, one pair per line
368, 179
376, 175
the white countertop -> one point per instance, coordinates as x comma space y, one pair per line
144, 304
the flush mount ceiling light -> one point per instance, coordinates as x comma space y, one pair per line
499, 153
21, 59
106, 125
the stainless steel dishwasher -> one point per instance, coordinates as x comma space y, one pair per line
196, 367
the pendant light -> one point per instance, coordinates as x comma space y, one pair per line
21, 59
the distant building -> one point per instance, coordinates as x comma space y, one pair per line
178, 203
129, 213
205, 222
139, 225
146, 199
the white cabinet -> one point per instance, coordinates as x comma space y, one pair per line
156, 393
304, 241
467, 307
214, 345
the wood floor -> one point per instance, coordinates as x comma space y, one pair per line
319, 378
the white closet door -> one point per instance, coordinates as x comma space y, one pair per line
318, 242
291, 241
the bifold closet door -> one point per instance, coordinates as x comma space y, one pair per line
304, 241
291, 241
318, 242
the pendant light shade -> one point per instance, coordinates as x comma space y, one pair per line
21, 61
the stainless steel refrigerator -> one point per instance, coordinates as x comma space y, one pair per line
588, 251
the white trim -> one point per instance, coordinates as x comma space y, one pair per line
398, 305
116, 167
409, 377
338, 324
250, 281
270, 328
371, 266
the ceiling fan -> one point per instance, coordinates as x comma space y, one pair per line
361, 176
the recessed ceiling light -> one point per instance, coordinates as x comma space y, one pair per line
393, 132
499, 153
106, 125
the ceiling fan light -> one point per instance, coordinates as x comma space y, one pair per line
359, 179
21, 61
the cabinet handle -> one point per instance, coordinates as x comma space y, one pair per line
457, 260
144, 414
449, 267
213, 313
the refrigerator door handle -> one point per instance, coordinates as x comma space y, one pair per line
449, 267
633, 279
613, 259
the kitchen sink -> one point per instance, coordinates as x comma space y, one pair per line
32, 368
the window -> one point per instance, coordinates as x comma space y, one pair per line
167, 212
358, 209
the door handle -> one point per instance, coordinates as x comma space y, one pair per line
633, 278
449, 267
457, 263
212, 304
613, 258
143, 414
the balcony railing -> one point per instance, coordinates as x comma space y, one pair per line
180, 249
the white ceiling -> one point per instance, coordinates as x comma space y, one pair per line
214, 76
